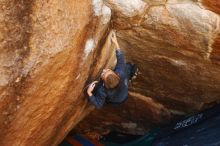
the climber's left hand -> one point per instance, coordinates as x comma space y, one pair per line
91, 88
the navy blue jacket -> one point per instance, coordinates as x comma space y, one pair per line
102, 95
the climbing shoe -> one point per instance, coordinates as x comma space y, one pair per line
134, 72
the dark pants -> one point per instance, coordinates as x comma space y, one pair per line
129, 68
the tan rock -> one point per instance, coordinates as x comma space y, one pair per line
174, 46
135, 116
47, 53
50, 51
175, 43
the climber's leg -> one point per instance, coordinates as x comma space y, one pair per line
131, 70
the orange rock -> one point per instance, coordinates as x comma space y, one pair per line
176, 46
213, 5
48, 49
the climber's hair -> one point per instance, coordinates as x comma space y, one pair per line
111, 80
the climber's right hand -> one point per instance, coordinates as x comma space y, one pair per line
91, 88
114, 40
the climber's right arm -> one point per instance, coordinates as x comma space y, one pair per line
115, 41
120, 66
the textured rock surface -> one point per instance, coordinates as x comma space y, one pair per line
176, 45
213, 5
49, 51
136, 116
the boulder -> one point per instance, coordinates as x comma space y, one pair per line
175, 44
51, 50
48, 51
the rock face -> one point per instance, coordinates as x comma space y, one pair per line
136, 116
50, 50
176, 46
212, 5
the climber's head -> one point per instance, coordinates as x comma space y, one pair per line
110, 78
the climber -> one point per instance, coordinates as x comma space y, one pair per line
113, 85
